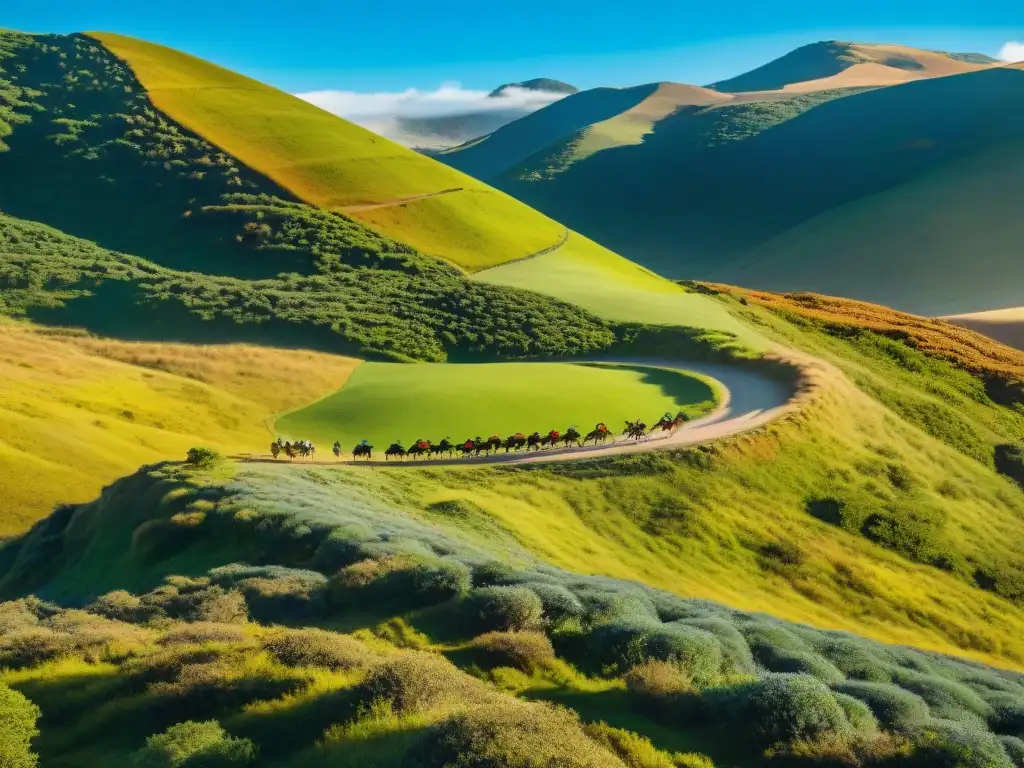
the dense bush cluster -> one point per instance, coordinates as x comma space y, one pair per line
221, 254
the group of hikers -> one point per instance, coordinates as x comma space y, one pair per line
635, 430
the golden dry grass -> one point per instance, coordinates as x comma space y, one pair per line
961, 346
78, 412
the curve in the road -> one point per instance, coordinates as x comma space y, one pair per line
748, 399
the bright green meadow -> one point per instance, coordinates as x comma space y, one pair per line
385, 402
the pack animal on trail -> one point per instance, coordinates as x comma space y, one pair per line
337, 449
445, 446
550, 440
668, 423
533, 442
492, 443
363, 449
599, 435
635, 429
419, 447
572, 436
275, 449
395, 449
514, 442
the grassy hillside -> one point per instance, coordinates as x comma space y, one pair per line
78, 412
854, 163
426, 584
326, 161
873, 64
385, 402
602, 282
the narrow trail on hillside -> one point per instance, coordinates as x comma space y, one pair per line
748, 399
359, 207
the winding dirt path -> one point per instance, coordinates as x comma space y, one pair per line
747, 399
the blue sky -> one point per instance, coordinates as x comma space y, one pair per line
390, 46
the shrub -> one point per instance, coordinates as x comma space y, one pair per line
804, 662
946, 699
283, 599
415, 681
505, 608
559, 603
317, 648
694, 651
855, 657
736, 655
201, 457
436, 582
17, 615
895, 708
191, 744
943, 744
123, 606
658, 680
634, 750
512, 733
199, 689
526, 651
626, 643
18, 718
858, 713
781, 708
30, 647
1014, 749
203, 632
1007, 714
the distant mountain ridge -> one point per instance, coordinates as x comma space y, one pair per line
764, 178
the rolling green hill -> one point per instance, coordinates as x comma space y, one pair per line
699, 193
329, 162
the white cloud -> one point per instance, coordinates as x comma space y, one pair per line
381, 111
1012, 51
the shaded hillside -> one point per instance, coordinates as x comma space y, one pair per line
490, 155
822, 174
856, 63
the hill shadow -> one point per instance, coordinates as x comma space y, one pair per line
709, 184
680, 387
518, 140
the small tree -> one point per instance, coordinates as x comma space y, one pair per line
201, 457
18, 718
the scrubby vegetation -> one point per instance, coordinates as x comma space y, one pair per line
556, 668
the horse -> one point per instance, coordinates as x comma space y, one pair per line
599, 435
571, 437
680, 419
337, 449
305, 449
492, 443
395, 449
533, 442
275, 449
419, 448
467, 447
516, 441
363, 449
291, 451
445, 446
551, 438
635, 429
